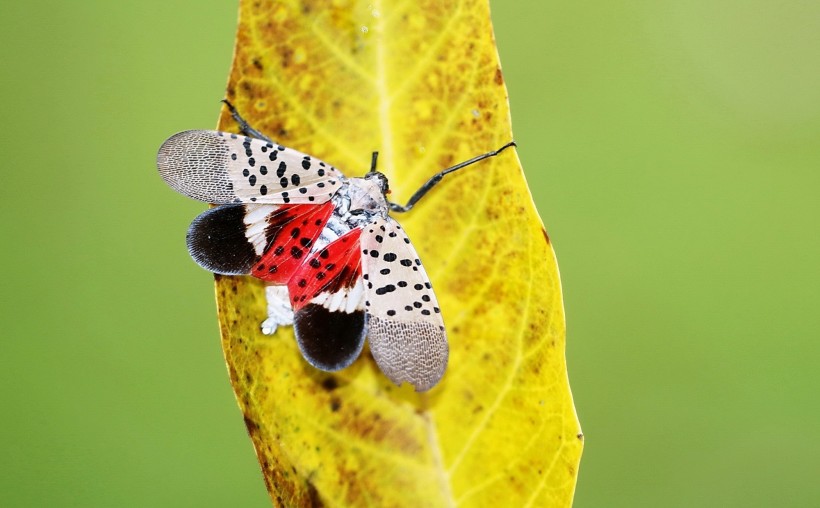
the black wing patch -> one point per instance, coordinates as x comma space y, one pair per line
217, 241
329, 340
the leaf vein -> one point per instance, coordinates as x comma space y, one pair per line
502, 393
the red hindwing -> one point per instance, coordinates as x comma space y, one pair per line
291, 230
331, 270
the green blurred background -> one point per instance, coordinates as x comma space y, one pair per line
672, 149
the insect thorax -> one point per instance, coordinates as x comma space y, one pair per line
361, 200
358, 202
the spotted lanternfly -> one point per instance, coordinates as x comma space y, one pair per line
337, 266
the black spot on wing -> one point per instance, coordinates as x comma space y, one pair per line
217, 242
329, 340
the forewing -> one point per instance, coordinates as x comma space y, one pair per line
219, 167
327, 296
404, 324
239, 239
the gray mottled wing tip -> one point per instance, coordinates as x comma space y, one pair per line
411, 351
194, 163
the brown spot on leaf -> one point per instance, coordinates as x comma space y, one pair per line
330, 384
315, 501
335, 403
251, 425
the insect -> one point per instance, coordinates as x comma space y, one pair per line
336, 265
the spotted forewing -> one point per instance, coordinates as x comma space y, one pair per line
218, 167
404, 324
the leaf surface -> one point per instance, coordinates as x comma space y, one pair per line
420, 82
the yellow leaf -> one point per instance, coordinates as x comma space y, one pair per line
420, 82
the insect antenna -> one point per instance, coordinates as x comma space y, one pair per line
373, 161
424, 189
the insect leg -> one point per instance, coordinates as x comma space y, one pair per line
395, 207
280, 312
244, 126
